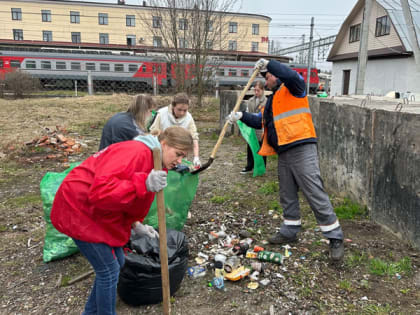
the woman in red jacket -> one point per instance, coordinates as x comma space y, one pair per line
111, 192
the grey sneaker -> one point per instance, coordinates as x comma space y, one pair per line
280, 239
336, 249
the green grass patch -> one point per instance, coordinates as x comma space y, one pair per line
345, 285
275, 205
381, 267
350, 210
220, 199
22, 201
269, 188
356, 259
372, 309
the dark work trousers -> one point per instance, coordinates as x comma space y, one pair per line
298, 168
250, 157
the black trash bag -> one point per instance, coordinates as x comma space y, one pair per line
140, 281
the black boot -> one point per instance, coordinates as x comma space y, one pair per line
336, 249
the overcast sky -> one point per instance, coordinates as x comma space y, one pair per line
291, 19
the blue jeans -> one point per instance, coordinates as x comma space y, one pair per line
107, 262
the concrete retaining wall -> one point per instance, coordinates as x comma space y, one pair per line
373, 157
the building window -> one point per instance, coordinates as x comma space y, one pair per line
157, 21
254, 46
45, 64
130, 20
17, 34
75, 66
75, 17
75, 37
232, 45
60, 65
233, 27
209, 25
255, 29
132, 68
17, 14
183, 43
220, 72
119, 67
47, 36
209, 45
157, 41
131, 40
46, 15
244, 73
15, 63
104, 67
103, 18
232, 72
383, 26
103, 38
183, 24
30, 64
354, 35
91, 66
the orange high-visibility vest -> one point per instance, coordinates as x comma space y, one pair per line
292, 120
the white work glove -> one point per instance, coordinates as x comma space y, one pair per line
156, 181
145, 230
234, 117
261, 64
196, 162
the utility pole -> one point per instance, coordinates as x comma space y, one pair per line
310, 54
301, 53
363, 49
411, 33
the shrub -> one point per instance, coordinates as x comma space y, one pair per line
19, 82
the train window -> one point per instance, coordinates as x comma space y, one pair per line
119, 67
1, 64
244, 73
143, 68
159, 69
45, 64
75, 66
30, 64
154, 68
60, 65
221, 72
91, 66
15, 63
232, 72
104, 67
132, 68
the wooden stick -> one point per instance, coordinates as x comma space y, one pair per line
81, 277
160, 201
235, 109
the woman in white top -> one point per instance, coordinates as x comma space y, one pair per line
176, 114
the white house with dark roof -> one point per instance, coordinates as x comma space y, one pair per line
391, 65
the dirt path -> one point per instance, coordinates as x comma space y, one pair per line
378, 275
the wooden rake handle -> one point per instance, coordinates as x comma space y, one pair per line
163, 250
235, 109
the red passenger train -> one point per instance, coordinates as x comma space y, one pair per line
121, 71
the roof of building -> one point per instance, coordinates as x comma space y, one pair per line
395, 12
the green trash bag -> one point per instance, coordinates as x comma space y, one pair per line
179, 194
250, 137
56, 244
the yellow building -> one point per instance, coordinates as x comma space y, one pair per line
103, 25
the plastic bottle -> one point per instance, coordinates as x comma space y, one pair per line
196, 271
273, 257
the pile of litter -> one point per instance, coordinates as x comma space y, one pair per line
233, 258
55, 140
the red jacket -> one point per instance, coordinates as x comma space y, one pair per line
99, 200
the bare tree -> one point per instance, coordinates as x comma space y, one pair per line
192, 32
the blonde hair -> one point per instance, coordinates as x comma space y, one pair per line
177, 137
141, 104
180, 98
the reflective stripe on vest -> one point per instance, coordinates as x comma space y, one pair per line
292, 120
